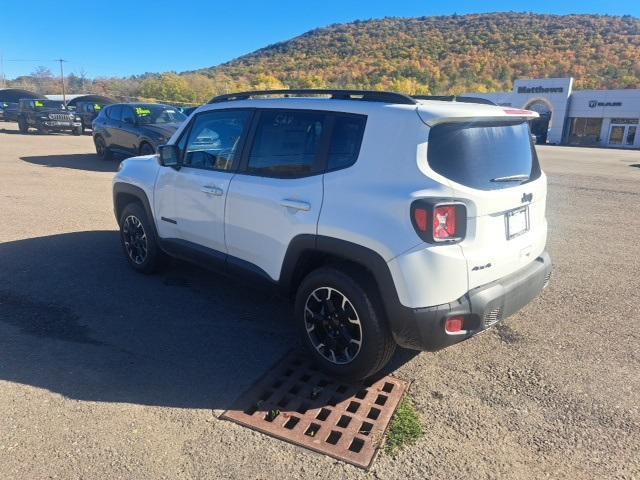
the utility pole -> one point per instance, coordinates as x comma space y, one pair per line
64, 98
4, 80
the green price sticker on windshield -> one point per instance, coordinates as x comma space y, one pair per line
38, 104
143, 112
97, 107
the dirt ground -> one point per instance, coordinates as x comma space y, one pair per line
108, 374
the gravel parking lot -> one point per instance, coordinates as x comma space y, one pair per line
105, 373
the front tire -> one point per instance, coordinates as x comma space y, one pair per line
78, 130
22, 126
103, 152
139, 241
342, 326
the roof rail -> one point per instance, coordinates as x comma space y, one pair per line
454, 98
363, 95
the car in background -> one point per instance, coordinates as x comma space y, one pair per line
134, 128
189, 110
88, 112
9, 112
47, 116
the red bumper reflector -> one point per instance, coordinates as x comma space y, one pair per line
454, 325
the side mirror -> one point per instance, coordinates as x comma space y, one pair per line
169, 155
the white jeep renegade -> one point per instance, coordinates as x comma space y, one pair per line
388, 219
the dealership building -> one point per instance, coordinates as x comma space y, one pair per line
608, 118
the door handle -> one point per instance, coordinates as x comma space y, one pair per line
296, 204
211, 190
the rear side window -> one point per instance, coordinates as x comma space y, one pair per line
115, 112
483, 155
346, 138
286, 143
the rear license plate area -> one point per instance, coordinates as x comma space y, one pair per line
517, 222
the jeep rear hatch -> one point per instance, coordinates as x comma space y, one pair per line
491, 166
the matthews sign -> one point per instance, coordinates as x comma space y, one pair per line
540, 89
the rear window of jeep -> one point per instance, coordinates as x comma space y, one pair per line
483, 155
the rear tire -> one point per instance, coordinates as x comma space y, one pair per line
104, 153
342, 325
139, 241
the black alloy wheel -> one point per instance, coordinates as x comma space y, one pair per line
333, 325
135, 240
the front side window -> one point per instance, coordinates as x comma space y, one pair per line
214, 139
286, 143
115, 112
346, 138
483, 155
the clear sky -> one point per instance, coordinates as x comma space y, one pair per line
118, 37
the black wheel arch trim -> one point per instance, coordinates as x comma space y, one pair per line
149, 142
368, 259
121, 188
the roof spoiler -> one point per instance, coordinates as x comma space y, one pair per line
454, 98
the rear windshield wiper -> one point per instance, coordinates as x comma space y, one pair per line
511, 178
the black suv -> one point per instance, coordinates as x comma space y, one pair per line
88, 112
134, 128
47, 116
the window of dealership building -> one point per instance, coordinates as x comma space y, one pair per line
608, 118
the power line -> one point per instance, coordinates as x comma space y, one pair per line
27, 60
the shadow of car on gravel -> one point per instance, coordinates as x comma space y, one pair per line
76, 320
76, 161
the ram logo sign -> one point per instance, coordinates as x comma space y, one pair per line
596, 103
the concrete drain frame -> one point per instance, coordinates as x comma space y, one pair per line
297, 403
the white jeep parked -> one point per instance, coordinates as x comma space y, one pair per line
387, 219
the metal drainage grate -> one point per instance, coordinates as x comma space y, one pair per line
492, 316
297, 403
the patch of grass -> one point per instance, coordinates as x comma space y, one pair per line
405, 428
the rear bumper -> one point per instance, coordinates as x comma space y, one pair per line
482, 307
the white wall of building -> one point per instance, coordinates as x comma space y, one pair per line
554, 92
565, 103
608, 105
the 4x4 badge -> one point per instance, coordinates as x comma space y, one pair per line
527, 197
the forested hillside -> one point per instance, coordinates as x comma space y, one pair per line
452, 54
437, 55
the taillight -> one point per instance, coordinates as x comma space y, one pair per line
421, 217
439, 222
444, 222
